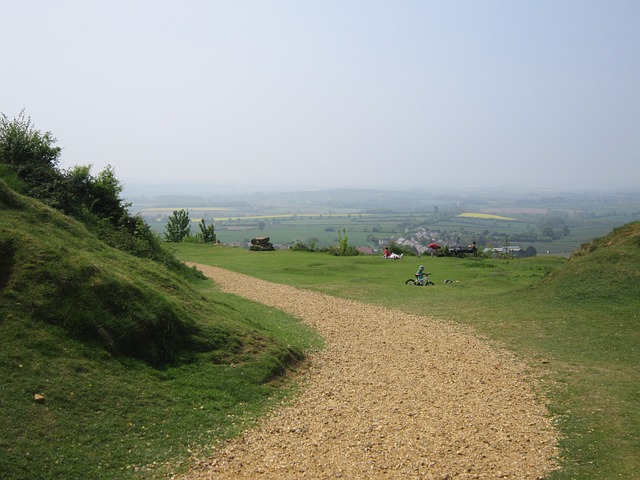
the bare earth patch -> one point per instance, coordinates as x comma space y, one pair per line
392, 396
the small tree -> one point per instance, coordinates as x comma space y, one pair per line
178, 227
343, 248
207, 233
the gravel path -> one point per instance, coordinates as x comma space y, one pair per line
393, 396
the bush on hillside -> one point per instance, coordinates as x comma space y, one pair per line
32, 155
29, 162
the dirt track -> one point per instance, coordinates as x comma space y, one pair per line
393, 396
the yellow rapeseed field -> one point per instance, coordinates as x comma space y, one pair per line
485, 216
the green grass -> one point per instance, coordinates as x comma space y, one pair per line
106, 417
139, 368
575, 322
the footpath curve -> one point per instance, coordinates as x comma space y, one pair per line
393, 396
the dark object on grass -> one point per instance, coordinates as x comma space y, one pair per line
261, 244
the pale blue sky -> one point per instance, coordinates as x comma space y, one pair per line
333, 93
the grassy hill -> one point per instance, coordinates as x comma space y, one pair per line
588, 324
137, 365
604, 269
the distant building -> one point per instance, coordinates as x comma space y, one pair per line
513, 249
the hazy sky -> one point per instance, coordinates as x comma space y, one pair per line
539, 93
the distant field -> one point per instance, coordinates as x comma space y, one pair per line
374, 218
170, 210
485, 216
516, 210
211, 214
370, 229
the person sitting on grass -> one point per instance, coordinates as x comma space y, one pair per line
393, 256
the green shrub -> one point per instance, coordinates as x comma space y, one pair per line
29, 162
343, 249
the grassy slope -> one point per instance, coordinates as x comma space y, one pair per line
593, 306
575, 321
138, 366
109, 412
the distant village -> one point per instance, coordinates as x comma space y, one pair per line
421, 242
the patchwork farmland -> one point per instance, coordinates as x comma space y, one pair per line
555, 224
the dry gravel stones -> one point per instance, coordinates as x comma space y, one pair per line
393, 396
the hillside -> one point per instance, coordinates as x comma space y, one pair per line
602, 270
55, 272
123, 351
588, 314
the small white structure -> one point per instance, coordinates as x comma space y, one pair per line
506, 249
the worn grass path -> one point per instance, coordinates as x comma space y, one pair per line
392, 396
